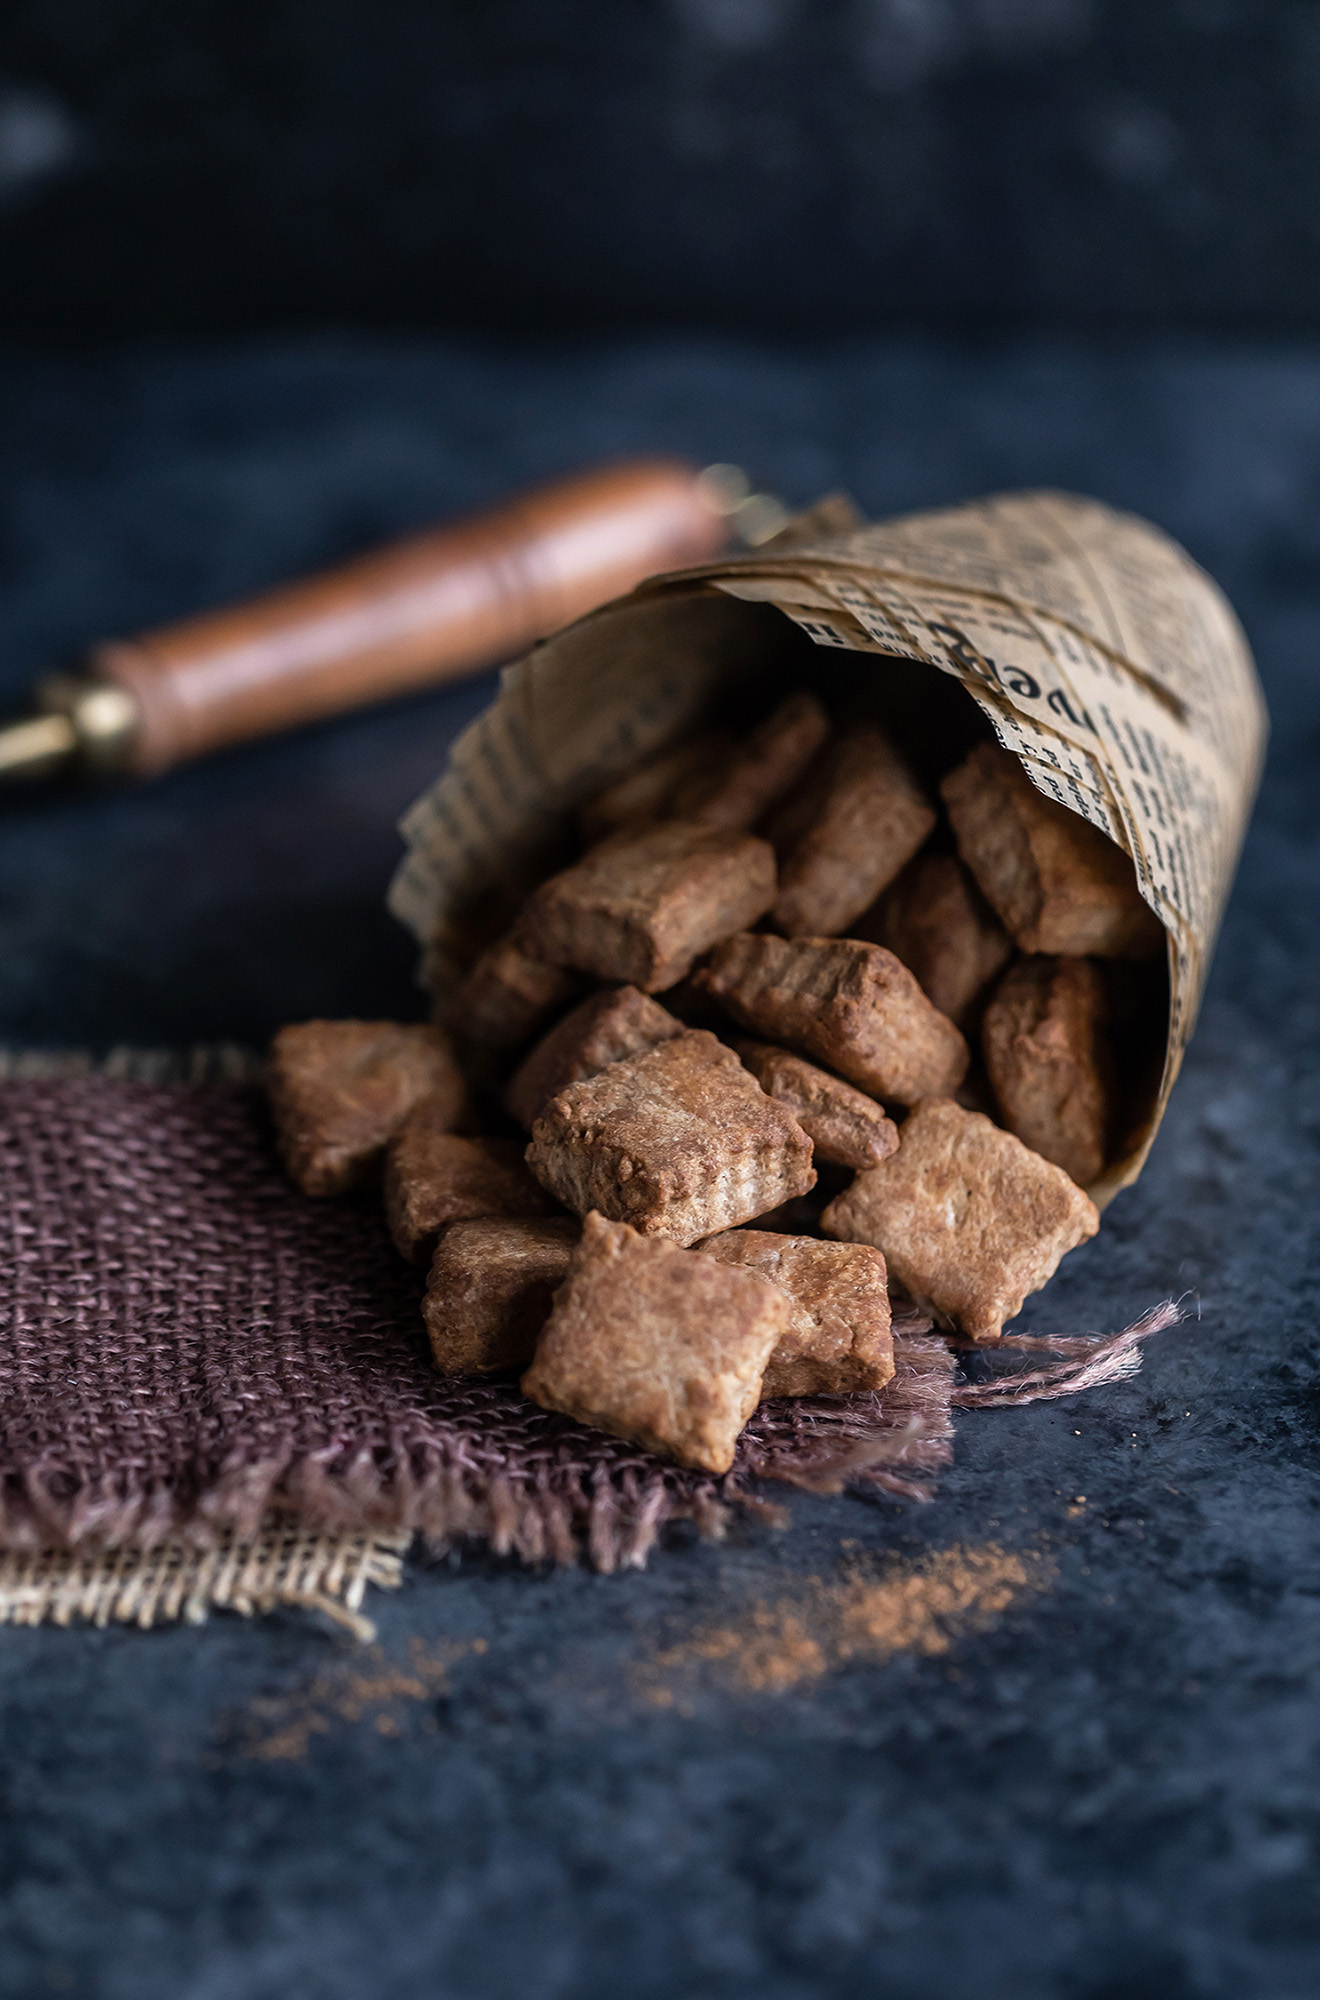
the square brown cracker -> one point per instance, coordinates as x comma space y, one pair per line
508, 995
839, 1343
641, 906
679, 1142
866, 818
490, 1288
969, 1219
601, 1030
754, 775
1047, 1057
1058, 883
647, 791
340, 1089
937, 921
433, 1177
849, 1004
657, 1344
845, 1127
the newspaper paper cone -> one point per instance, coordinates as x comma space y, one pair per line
1098, 652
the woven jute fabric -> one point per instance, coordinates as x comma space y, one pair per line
282, 1566
194, 1348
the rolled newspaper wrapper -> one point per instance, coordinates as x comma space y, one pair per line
1099, 654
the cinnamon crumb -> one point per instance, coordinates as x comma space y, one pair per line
790, 1643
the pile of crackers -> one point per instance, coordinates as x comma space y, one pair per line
785, 985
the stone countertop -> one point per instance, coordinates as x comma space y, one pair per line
1053, 1735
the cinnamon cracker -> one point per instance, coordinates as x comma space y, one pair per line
657, 1344
601, 1030
839, 1343
937, 921
753, 776
1057, 882
1047, 1057
490, 1288
866, 818
340, 1089
849, 1004
968, 1218
679, 1142
434, 1177
647, 791
507, 996
844, 1125
641, 906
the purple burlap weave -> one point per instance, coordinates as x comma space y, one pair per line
193, 1344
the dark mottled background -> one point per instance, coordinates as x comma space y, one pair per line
281, 280
785, 164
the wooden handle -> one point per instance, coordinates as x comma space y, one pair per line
427, 610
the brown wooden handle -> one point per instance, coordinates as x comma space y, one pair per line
427, 610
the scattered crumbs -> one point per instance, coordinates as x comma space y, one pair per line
791, 1642
369, 1688
1076, 1434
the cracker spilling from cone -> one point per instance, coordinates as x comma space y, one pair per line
795, 1030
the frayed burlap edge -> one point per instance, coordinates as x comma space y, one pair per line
283, 1564
556, 1510
553, 1508
1093, 1363
822, 1445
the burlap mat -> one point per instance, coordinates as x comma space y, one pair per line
200, 1357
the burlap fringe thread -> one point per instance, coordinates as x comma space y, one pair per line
1092, 1363
283, 1564
208, 1062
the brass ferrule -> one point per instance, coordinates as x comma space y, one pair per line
99, 717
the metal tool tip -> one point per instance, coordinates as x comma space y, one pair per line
36, 747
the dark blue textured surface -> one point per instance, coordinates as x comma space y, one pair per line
1111, 1793
751, 164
